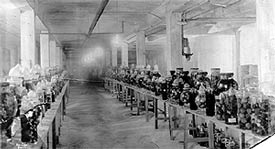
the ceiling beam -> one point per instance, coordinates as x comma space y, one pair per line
106, 33
155, 30
224, 19
212, 7
130, 38
84, 34
125, 12
98, 14
185, 10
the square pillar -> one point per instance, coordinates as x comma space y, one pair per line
2, 63
265, 16
114, 56
237, 56
14, 56
27, 26
108, 58
64, 60
140, 48
124, 54
61, 57
57, 56
44, 50
7, 61
2, 42
173, 52
52, 53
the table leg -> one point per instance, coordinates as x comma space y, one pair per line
131, 100
155, 102
185, 145
138, 103
126, 96
170, 122
211, 135
146, 98
175, 117
122, 94
165, 111
118, 90
242, 140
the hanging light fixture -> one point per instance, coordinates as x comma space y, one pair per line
186, 51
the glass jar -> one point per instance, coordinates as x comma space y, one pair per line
231, 107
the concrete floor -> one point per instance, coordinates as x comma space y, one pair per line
96, 120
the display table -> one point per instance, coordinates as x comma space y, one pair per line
49, 127
211, 121
185, 112
140, 95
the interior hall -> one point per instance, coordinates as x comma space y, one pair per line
137, 74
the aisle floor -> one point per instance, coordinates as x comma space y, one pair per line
97, 120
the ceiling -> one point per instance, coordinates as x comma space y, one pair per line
69, 20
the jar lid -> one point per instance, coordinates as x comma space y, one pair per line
4, 84
179, 69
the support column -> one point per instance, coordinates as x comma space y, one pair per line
7, 61
61, 57
114, 56
108, 58
2, 63
14, 56
140, 48
57, 56
124, 54
2, 42
236, 56
173, 52
37, 53
52, 53
265, 17
45, 50
64, 61
27, 26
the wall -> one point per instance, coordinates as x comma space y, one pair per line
213, 51
217, 50
208, 51
132, 57
10, 45
94, 52
155, 55
9, 39
248, 44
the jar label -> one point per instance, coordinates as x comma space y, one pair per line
232, 120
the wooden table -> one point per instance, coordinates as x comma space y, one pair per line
142, 95
148, 96
49, 128
156, 101
211, 121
